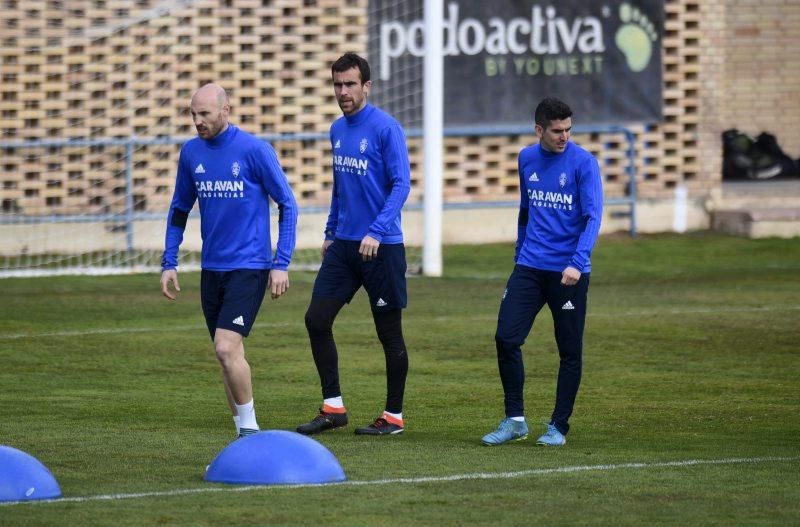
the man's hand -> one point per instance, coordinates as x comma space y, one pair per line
325, 245
570, 276
278, 282
369, 248
170, 275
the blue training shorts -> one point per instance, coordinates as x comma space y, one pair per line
231, 299
344, 271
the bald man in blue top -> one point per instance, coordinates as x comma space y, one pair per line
561, 205
363, 246
232, 175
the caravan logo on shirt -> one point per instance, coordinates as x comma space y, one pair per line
551, 200
548, 198
220, 188
351, 164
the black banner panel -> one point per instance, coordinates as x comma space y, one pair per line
503, 56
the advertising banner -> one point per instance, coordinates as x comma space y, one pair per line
503, 56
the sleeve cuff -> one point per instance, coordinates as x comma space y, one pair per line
576, 265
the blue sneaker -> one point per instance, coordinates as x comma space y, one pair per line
552, 437
509, 430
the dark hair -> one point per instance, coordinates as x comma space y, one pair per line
551, 109
349, 61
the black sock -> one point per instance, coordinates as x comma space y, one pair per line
389, 326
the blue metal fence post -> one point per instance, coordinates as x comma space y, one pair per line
631, 170
129, 196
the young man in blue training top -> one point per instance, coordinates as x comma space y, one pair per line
559, 219
232, 174
363, 245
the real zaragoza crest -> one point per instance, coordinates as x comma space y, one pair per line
362, 146
235, 168
562, 179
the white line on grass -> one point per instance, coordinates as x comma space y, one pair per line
445, 318
416, 480
115, 331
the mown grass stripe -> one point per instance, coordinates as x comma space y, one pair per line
629, 313
420, 479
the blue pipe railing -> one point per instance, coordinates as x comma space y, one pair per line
129, 217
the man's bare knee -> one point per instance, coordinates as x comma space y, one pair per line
228, 346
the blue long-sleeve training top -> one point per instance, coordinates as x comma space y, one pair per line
561, 205
232, 175
371, 177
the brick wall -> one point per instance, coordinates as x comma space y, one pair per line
761, 73
116, 68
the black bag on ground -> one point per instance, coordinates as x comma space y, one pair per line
768, 144
745, 158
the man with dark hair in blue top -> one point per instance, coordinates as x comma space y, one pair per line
559, 219
232, 174
363, 245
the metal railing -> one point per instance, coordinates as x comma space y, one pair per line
129, 216
628, 201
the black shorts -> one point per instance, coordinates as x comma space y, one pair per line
231, 299
344, 271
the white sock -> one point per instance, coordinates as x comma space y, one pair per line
520, 419
247, 416
236, 423
334, 402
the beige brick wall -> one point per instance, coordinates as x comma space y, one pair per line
762, 69
117, 68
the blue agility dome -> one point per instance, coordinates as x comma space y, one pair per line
23, 477
275, 457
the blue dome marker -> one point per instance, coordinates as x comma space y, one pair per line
275, 457
23, 477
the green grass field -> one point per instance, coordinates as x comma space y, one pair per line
687, 415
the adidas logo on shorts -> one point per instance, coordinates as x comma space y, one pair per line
568, 305
239, 321
381, 302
